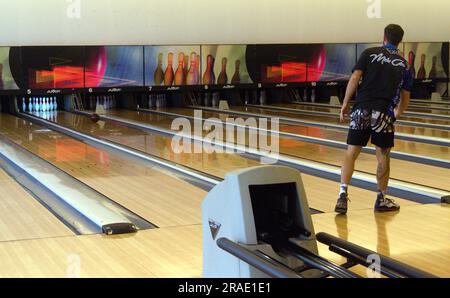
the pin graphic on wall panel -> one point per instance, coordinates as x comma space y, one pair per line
433, 72
236, 79
197, 68
192, 77
179, 74
223, 78
158, 77
422, 73
169, 75
208, 76
411, 61
1, 76
185, 68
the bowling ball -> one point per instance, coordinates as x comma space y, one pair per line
95, 118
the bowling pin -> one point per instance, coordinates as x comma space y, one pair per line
422, 72
158, 76
158, 101
208, 76
179, 74
191, 78
55, 106
207, 99
215, 100
433, 72
30, 105
236, 79
223, 77
1, 77
197, 69
185, 68
38, 105
168, 76
313, 95
24, 105
51, 104
411, 61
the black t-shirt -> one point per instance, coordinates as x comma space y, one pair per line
385, 74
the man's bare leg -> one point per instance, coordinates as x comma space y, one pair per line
348, 167
383, 173
383, 168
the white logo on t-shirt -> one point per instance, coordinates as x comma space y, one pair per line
383, 59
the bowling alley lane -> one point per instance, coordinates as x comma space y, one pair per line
155, 194
421, 131
429, 150
401, 170
321, 192
23, 217
426, 118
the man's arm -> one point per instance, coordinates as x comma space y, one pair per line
352, 86
405, 93
405, 96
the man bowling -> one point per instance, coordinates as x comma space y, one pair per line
383, 95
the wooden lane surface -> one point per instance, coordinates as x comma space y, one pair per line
321, 192
429, 150
154, 194
166, 252
430, 132
402, 170
23, 217
417, 235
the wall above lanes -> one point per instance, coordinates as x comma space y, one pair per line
118, 22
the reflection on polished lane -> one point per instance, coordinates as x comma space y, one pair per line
321, 192
429, 150
401, 170
409, 116
417, 235
421, 131
157, 195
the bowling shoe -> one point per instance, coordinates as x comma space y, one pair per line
341, 205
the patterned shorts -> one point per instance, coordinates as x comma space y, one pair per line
368, 124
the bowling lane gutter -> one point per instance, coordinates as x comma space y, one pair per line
330, 143
410, 107
402, 189
294, 121
81, 208
402, 122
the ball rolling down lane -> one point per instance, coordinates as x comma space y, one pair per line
95, 117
